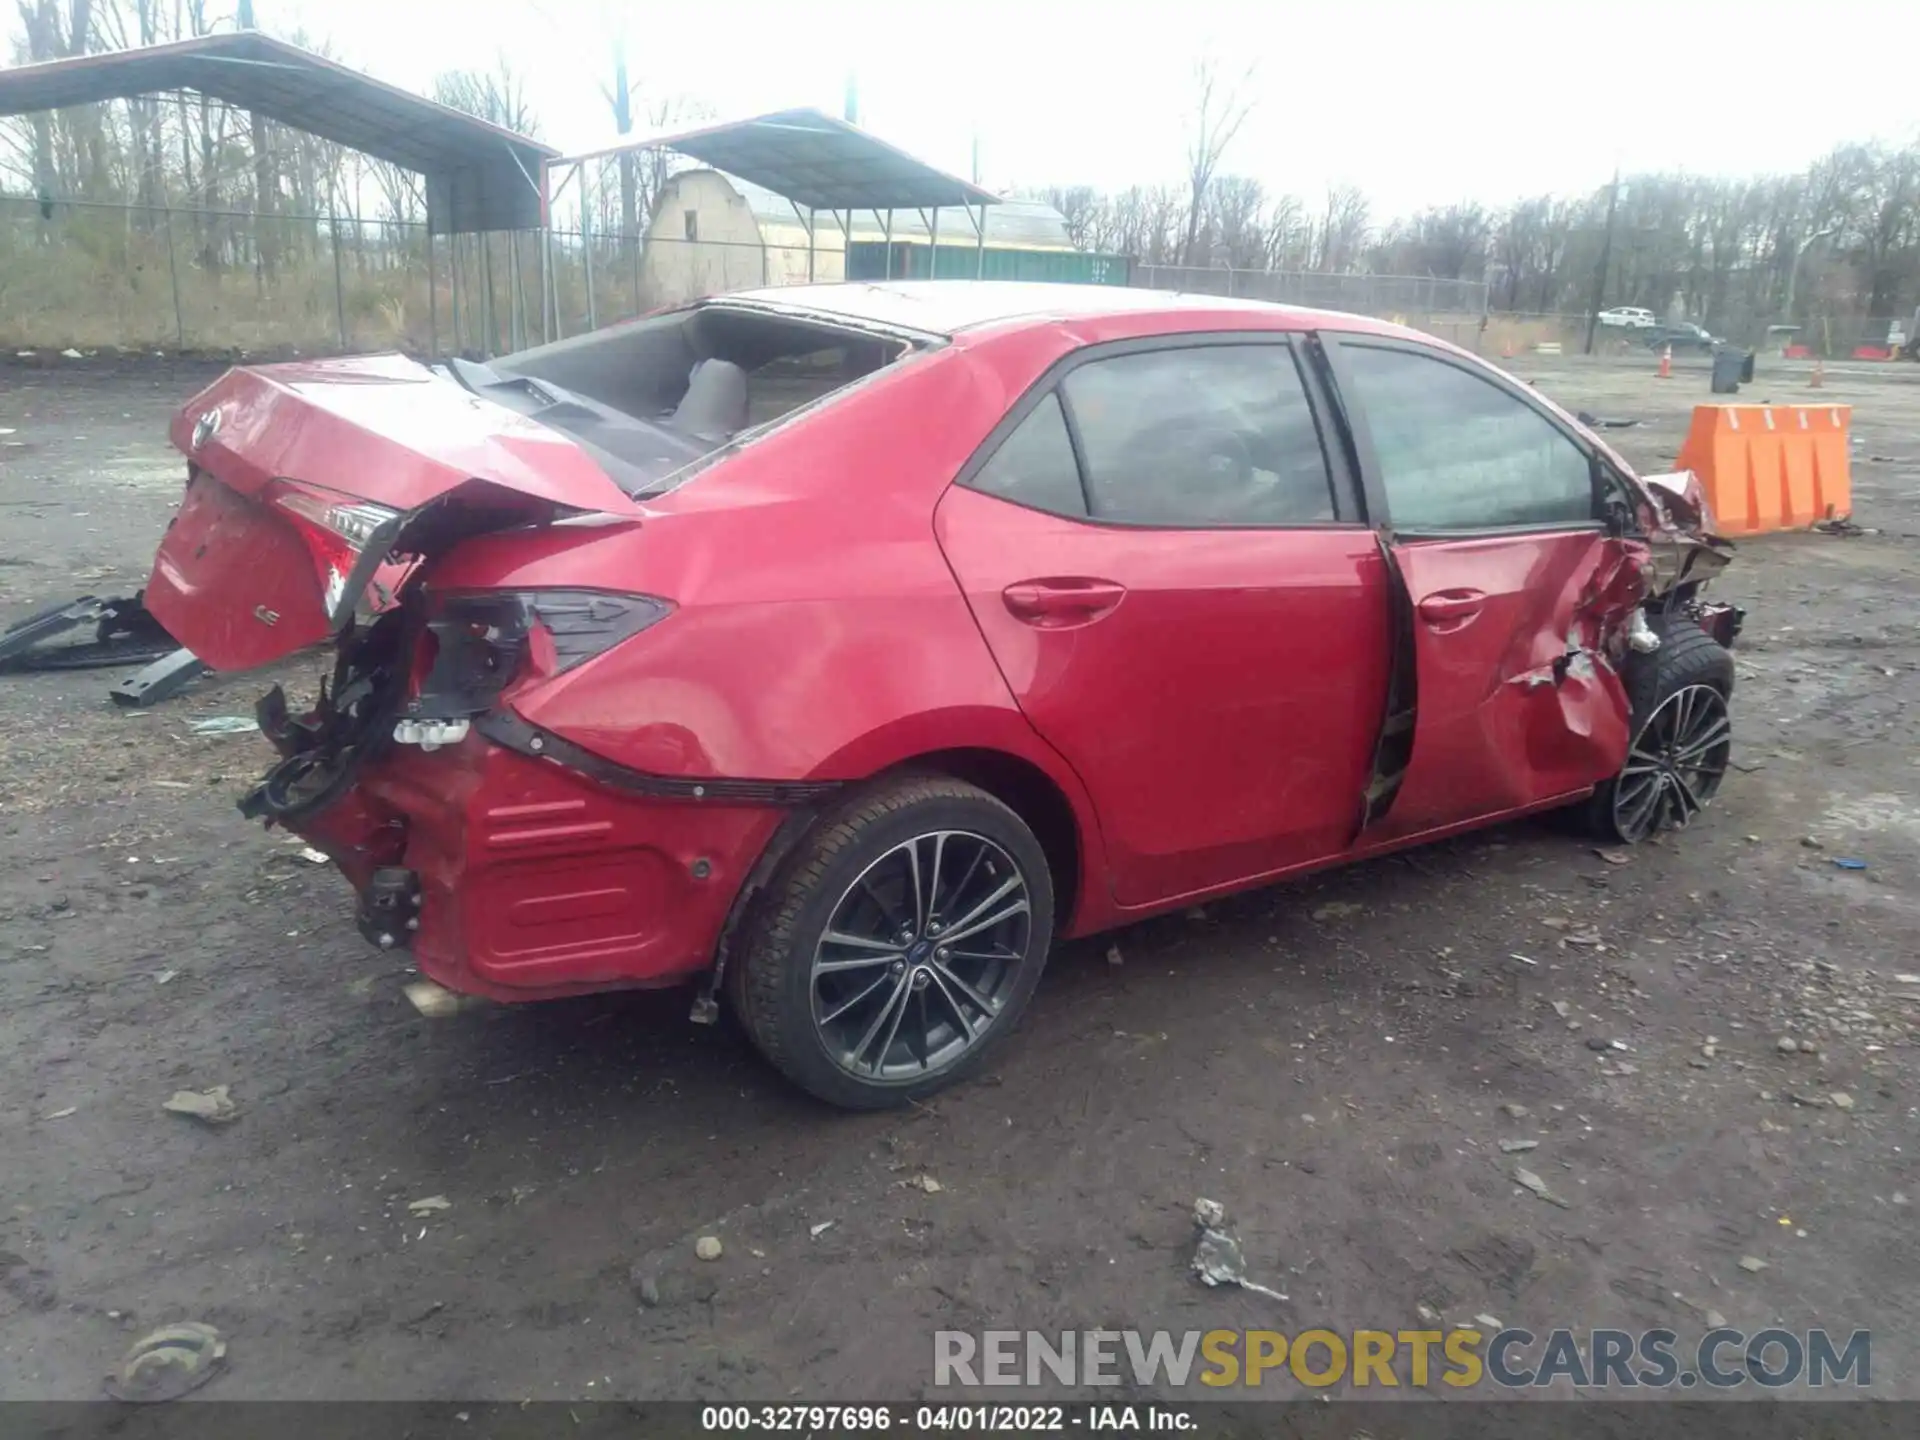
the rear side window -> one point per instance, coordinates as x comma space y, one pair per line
1035, 465
1213, 435
1457, 452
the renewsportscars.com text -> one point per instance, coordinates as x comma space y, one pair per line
1511, 1358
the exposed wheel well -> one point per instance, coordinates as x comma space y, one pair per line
1032, 795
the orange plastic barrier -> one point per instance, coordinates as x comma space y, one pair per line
1771, 467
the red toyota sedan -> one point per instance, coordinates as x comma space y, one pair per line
838, 649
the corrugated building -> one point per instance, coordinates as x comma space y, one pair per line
712, 233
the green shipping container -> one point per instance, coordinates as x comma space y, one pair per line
867, 260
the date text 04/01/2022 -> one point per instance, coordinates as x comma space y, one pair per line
941, 1419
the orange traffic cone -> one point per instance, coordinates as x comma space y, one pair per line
1819, 379
1666, 363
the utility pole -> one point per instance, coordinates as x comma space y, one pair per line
1793, 272
1606, 259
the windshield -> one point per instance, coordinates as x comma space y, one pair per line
650, 399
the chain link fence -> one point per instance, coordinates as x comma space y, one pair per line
1385, 296
96, 275
1454, 310
92, 275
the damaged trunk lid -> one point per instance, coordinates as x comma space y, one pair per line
310, 486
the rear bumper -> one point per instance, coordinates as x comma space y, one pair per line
528, 880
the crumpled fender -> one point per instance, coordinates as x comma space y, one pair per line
1576, 716
1683, 544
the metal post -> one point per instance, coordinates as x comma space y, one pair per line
453, 272
889, 234
1599, 300
339, 284
173, 280
933, 245
980, 250
633, 242
433, 302
546, 283
846, 243
586, 260
516, 313
486, 297
810, 213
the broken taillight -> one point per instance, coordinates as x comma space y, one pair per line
347, 538
473, 646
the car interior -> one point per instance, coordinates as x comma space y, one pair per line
649, 398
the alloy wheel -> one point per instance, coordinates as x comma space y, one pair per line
920, 955
1676, 763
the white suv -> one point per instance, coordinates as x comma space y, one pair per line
1630, 317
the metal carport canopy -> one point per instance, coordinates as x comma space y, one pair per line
813, 159
479, 176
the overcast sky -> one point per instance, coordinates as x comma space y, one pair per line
1417, 103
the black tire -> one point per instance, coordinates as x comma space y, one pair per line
777, 989
1687, 657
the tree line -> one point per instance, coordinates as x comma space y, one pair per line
1840, 238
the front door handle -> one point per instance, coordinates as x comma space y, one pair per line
1062, 600
1451, 607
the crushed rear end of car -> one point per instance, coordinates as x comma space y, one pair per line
332, 502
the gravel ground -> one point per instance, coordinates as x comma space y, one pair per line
1330, 1059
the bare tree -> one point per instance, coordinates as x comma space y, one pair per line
1081, 207
1220, 109
1343, 229
1234, 223
1289, 237
55, 32
498, 96
619, 97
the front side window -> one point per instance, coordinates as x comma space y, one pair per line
1211, 435
1457, 452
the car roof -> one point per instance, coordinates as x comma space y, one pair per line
950, 307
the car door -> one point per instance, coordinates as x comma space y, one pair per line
1493, 507
1179, 589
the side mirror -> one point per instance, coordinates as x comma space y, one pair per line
1616, 514
1615, 502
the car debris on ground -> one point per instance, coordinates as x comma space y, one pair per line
124, 633
214, 1106
434, 1002
168, 1363
1527, 1180
225, 725
1217, 1258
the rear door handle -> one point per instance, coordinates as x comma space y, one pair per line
1447, 606
1062, 600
